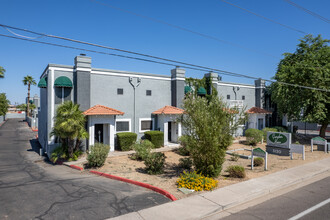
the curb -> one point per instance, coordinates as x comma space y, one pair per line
76, 167
2, 123
145, 185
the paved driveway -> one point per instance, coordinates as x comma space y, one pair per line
31, 188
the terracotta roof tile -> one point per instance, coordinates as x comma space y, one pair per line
169, 110
102, 110
257, 110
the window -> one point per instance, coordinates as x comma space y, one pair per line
123, 125
243, 97
145, 124
148, 92
120, 91
228, 96
62, 94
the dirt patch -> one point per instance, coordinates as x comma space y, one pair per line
125, 167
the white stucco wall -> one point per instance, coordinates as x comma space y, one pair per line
108, 122
176, 130
253, 120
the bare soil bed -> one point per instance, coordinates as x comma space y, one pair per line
125, 167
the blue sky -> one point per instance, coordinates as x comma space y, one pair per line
89, 21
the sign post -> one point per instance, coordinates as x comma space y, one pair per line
297, 148
319, 141
258, 152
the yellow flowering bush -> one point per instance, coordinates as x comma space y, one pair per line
195, 181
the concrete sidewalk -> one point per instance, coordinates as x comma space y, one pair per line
208, 203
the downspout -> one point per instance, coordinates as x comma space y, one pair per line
134, 87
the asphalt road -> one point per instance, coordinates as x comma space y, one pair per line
292, 204
32, 188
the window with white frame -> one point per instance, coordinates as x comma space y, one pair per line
145, 124
123, 125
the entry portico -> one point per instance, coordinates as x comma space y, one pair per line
101, 125
167, 122
257, 117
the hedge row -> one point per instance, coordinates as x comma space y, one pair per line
125, 140
155, 137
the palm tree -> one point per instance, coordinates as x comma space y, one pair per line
69, 126
28, 80
2, 72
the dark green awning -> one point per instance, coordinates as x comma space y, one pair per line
63, 81
187, 89
42, 83
201, 91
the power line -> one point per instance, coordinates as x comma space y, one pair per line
308, 11
175, 63
183, 28
263, 17
105, 53
126, 51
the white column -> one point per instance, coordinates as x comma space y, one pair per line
179, 129
91, 130
109, 134
52, 101
112, 135
165, 133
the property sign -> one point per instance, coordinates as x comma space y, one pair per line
279, 139
278, 150
298, 149
258, 152
319, 141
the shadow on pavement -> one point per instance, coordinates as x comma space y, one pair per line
36, 147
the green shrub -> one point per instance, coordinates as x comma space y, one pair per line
234, 157
98, 155
236, 171
75, 155
59, 153
155, 137
62, 153
155, 163
185, 163
184, 149
142, 150
264, 131
280, 129
258, 161
125, 140
253, 136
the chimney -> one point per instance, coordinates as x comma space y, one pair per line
177, 86
82, 79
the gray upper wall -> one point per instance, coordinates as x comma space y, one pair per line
92, 86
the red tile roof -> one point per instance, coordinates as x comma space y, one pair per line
169, 110
257, 110
102, 110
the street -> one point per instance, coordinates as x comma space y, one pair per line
308, 202
33, 188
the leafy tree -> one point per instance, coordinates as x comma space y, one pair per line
308, 66
2, 72
28, 80
23, 107
69, 126
4, 104
209, 126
